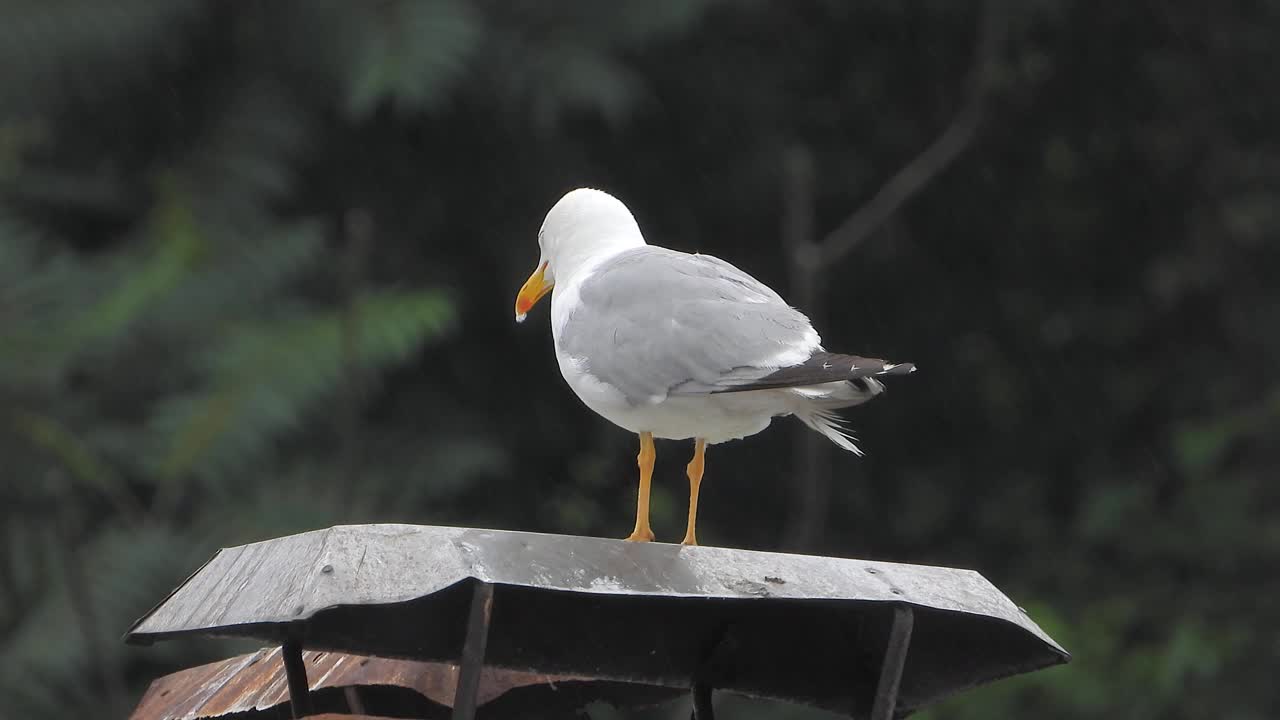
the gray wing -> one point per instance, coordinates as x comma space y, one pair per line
653, 322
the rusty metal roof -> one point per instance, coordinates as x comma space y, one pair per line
256, 682
793, 627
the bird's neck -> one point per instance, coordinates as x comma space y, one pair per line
574, 259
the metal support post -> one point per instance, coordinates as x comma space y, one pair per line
296, 672
702, 701
473, 647
895, 657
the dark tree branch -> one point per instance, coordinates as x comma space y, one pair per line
807, 520
358, 235
917, 174
798, 223
809, 258
104, 666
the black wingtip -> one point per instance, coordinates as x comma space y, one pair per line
824, 367
899, 369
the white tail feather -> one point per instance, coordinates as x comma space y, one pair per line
817, 405
831, 396
830, 425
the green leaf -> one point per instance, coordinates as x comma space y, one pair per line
271, 373
410, 53
52, 53
175, 241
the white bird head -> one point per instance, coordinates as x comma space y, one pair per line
582, 226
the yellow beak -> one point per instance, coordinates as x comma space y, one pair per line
534, 288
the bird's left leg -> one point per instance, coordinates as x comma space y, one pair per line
643, 533
695, 481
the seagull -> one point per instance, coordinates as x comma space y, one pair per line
681, 346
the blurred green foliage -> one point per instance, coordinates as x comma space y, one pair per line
257, 263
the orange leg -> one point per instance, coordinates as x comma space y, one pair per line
643, 533
695, 481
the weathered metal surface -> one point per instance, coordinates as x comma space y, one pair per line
801, 628
256, 682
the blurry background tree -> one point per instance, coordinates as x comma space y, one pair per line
257, 263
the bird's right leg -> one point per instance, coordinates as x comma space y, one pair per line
643, 533
695, 468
